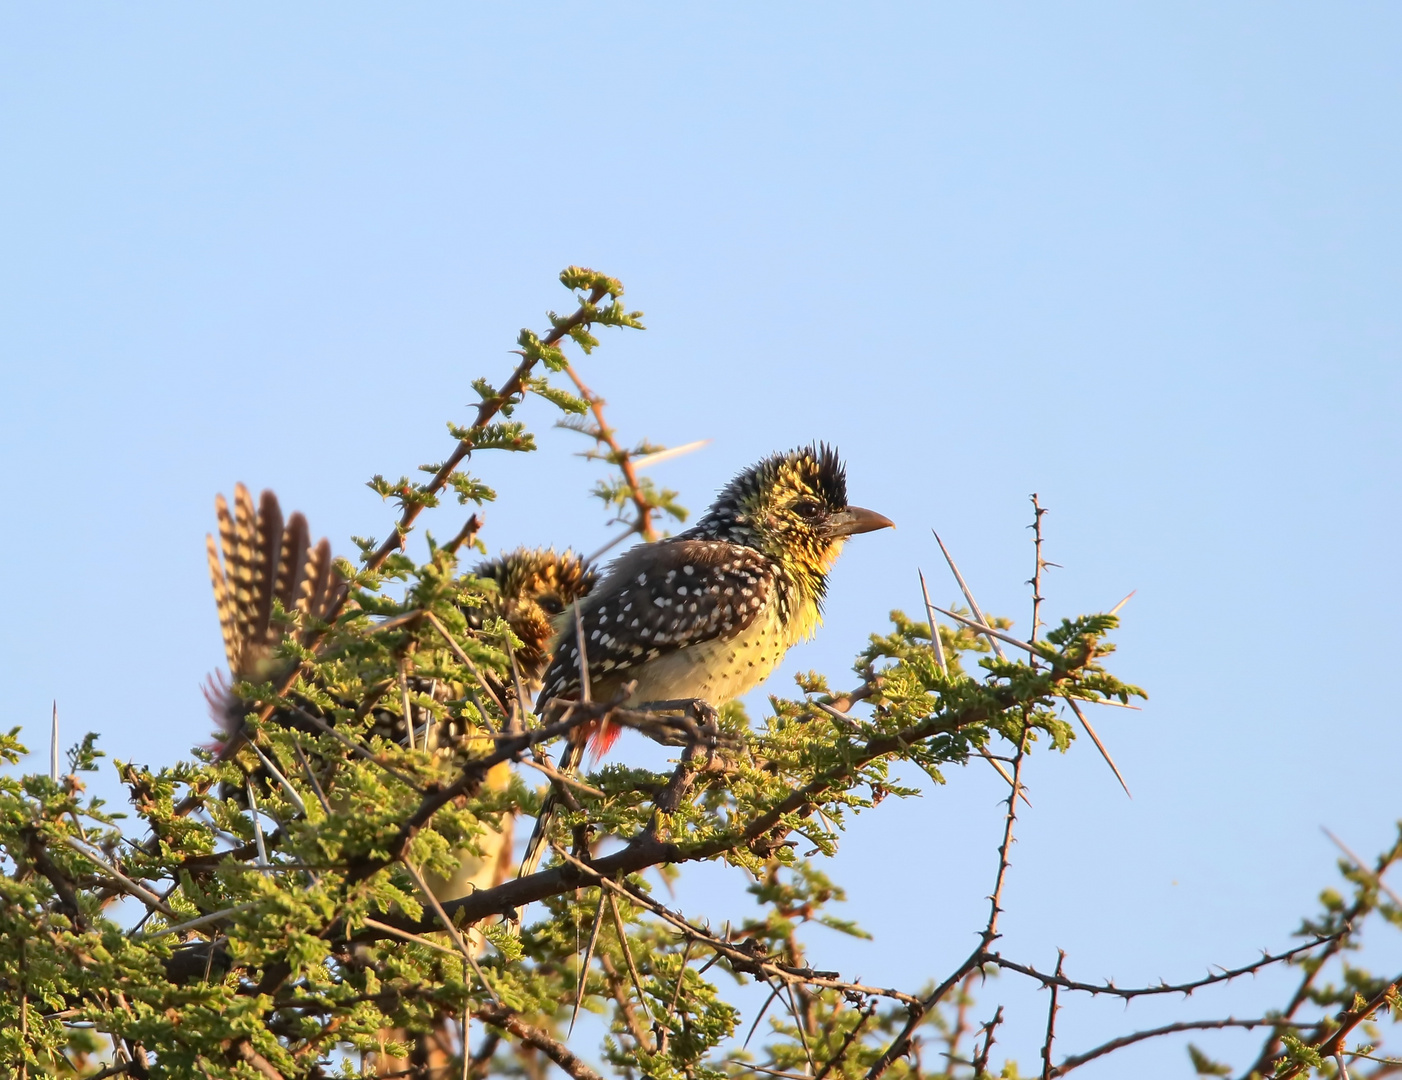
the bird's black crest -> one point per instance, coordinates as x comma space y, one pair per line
817, 465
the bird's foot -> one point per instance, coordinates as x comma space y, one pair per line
704, 717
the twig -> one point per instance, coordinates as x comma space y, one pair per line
681, 977
1051, 1020
405, 935
244, 1051
595, 556
901, 1044
657, 458
799, 1026
1036, 582
992, 633
311, 776
560, 778
292, 795
1348, 919
522, 703
510, 1021
770, 1072
1186, 989
583, 658
980, 624
847, 1042
1348, 1020
619, 457
740, 959
406, 706
485, 411
1075, 1061
354, 748
980, 1061
622, 933
465, 535
854, 724
111, 1070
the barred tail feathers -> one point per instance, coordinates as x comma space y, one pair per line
570, 757
266, 562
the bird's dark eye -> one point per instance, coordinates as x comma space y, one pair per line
552, 604
807, 508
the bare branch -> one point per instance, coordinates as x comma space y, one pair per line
1075, 1061
510, 1021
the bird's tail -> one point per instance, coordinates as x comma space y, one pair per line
570, 758
265, 563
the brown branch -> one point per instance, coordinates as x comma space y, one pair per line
900, 1045
510, 1021
244, 1052
980, 1061
617, 456
1075, 1061
740, 956
489, 407
1051, 1015
1348, 1020
1226, 975
759, 835
466, 535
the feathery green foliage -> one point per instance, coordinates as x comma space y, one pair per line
197, 936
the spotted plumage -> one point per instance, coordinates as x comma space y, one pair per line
708, 614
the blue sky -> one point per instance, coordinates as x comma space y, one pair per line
1141, 259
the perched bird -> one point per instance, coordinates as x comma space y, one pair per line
708, 614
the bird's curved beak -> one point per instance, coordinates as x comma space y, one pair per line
857, 519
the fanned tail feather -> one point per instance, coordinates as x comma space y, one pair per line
265, 565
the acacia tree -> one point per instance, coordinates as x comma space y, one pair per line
288, 933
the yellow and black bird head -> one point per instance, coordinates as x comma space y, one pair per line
793, 508
533, 587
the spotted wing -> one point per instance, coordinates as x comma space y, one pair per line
656, 600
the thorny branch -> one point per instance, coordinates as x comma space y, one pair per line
618, 456
759, 831
513, 387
